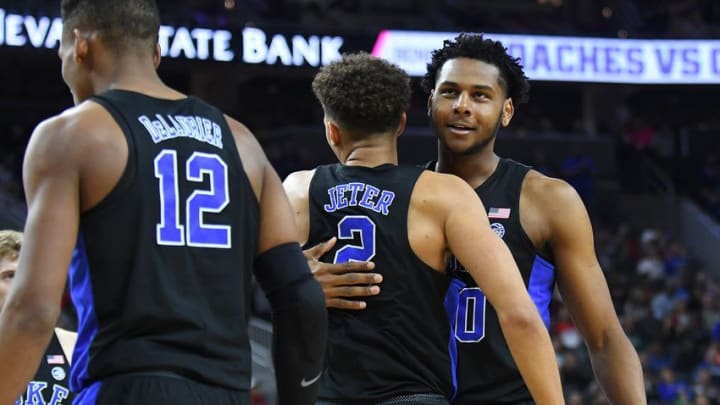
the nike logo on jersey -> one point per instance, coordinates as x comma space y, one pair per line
306, 383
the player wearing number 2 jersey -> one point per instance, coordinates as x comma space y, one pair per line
396, 350
169, 206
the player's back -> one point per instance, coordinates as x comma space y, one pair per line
398, 345
486, 371
160, 276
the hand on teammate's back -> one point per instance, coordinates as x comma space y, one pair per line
341, 282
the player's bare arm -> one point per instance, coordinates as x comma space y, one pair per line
487, 258
339, 281
584, 289
51, 178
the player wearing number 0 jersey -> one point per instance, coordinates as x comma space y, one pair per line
164, 206
474, 87
474, 322
396, 350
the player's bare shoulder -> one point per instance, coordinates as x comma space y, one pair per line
548, 205
441, 191
297, 184
74, 135
548, 194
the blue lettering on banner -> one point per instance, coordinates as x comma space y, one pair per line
611, 63
634, 61
562, 56
690, 62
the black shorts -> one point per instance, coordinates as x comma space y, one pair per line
155, 388
413, 399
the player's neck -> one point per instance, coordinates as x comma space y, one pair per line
371, 154
474, 169
139, 77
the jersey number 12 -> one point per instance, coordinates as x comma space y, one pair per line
194, 232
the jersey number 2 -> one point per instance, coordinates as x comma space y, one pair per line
348, 228
195, 232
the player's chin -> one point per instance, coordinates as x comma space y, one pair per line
458, 146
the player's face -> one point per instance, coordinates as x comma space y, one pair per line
468, 105
8, 265
72, 73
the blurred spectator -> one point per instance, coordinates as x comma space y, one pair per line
669, 389
579, 170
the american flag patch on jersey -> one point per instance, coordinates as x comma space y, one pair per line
499, 213
55, 359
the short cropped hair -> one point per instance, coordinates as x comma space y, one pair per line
362, 93
123, 24
10, 244
475, 46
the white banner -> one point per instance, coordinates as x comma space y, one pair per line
575, 59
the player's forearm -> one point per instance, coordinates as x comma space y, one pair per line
533, 353
618, 370
299, 339
24, 336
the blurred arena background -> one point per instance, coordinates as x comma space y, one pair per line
624, 106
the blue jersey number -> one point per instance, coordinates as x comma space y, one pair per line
350, 226
470, 315
195, 232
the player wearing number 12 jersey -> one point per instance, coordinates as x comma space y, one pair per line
165, 206
396, 350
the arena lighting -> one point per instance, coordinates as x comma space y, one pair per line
575, 59
254, 45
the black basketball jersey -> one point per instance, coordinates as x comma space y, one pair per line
398, 344
161, 274
486, 372
51, 383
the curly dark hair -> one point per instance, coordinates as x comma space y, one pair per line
364, 94
475, 46
123, 24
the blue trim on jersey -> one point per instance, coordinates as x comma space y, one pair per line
82, 297
451, 306
89, 395
541, 285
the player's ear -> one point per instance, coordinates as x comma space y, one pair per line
401, 127
508, 111
156, 56
81, 44
332, 132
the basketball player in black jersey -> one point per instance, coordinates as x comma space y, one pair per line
396, 350
474, 88
50, 385
164, 205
